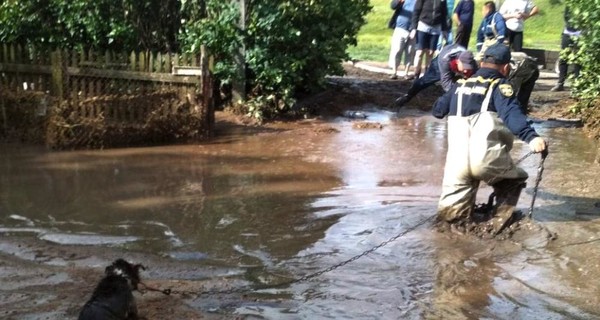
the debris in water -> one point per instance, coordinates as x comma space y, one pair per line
367, 125
355, 114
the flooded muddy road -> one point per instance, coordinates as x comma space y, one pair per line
263, 205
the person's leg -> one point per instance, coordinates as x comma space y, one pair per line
573, 48
563, 65
576, 70
510, 35
422, 46
402, 51
486, 44
394, 58
524, 92
432, 73
517, 44
431, 76
458, 36
418, 62
459, 190
467, 36
431, 43
405, 50
498, 170
507, 193
462, 35
410, 55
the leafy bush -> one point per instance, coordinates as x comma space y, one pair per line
290, 46
586, 16
101, 24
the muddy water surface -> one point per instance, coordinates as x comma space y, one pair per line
269, 205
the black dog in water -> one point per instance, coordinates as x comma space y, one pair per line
113, 297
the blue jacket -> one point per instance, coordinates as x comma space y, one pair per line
486, 31
404, 18
503, 102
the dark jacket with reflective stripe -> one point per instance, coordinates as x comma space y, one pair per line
507, 107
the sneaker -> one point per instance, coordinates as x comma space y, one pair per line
393, 77
409, 77
558, 87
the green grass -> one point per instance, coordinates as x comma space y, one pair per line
542, 31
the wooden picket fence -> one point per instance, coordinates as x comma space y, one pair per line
104, 84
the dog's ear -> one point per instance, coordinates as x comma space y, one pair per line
121, 263
109, 270
137, 267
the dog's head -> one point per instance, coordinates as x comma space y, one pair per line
124, 269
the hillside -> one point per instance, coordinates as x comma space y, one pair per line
541, 32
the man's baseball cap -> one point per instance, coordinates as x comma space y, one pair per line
497, 53
467, 59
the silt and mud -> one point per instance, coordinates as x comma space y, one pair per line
265, 204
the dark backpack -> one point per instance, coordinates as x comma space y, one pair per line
397, 7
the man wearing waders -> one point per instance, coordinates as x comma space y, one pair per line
483, 115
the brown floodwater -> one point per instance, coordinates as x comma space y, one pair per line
269, 205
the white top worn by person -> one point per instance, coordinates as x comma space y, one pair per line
516, 12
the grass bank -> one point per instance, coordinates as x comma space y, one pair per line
541, 31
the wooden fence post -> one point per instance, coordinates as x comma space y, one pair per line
57, 87
4, 119
4, 59
239, 82
206, 82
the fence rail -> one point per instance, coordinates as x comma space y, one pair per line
116, 87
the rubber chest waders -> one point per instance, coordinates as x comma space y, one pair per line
478, 150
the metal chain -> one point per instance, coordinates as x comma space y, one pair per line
538, 179
250, 288
522, 158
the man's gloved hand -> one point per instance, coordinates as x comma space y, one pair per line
399, 103
538, 145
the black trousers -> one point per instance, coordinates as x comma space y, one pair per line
431, 76
523, 80
524, 92
463, 34
515, 40
563, 66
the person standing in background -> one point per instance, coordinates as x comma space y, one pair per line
569, 36
491, 30
463, 17
401, 44
429, 21
448, 40
515, 12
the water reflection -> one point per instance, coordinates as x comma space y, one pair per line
173, 198
292, 204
